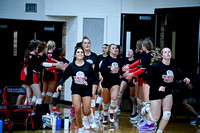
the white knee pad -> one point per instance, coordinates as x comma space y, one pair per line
55, 94
166, 115
39, 101
100, 100
132, 98
93, 103
139, 101
29, 100
151, 117
44, 94
105, 106
113, 103
120, 95
50, 94
34, 99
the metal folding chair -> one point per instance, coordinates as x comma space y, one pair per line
10, 94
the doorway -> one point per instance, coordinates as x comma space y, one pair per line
15, 37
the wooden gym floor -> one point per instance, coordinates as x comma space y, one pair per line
123, 125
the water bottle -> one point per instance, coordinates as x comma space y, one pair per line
52, 114
58, 123
54, 123
1, 126
66, 122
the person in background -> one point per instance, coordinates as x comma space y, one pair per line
127, 83
193, 91
101, 57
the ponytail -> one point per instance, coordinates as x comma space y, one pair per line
156, 56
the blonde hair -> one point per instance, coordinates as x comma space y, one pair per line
139, 44
148, 44
50, 44
156, 56
108, 52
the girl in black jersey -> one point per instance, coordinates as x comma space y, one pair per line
93, 60
161, 77
127, 83
36, 63
110, 70
100, 60
82, 80
60, 56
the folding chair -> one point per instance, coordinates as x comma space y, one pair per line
10, 94
5, 116
4, 112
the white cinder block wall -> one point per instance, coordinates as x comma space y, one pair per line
74, 11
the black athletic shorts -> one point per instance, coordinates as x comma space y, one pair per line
109, 83
82, 92
155, 94
131, 84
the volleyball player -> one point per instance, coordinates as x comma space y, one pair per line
50, 79
100, 60
92, 58
161, 77
127, 83
145, 61
110, 70
83, 77
36, 63
31, 49
139, 53
192, 91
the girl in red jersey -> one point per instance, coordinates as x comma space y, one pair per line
145, 61
50, 79
83, 77
36, 63
110, 70
31, 49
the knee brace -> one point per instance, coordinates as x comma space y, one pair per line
132, 98
55, 94
113, 103
151, 117
100, 100
39, 101
105, 106
49, 94
29, 100
166, 115
93, 103
34, 99
139, 101
44, 94
120, 95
